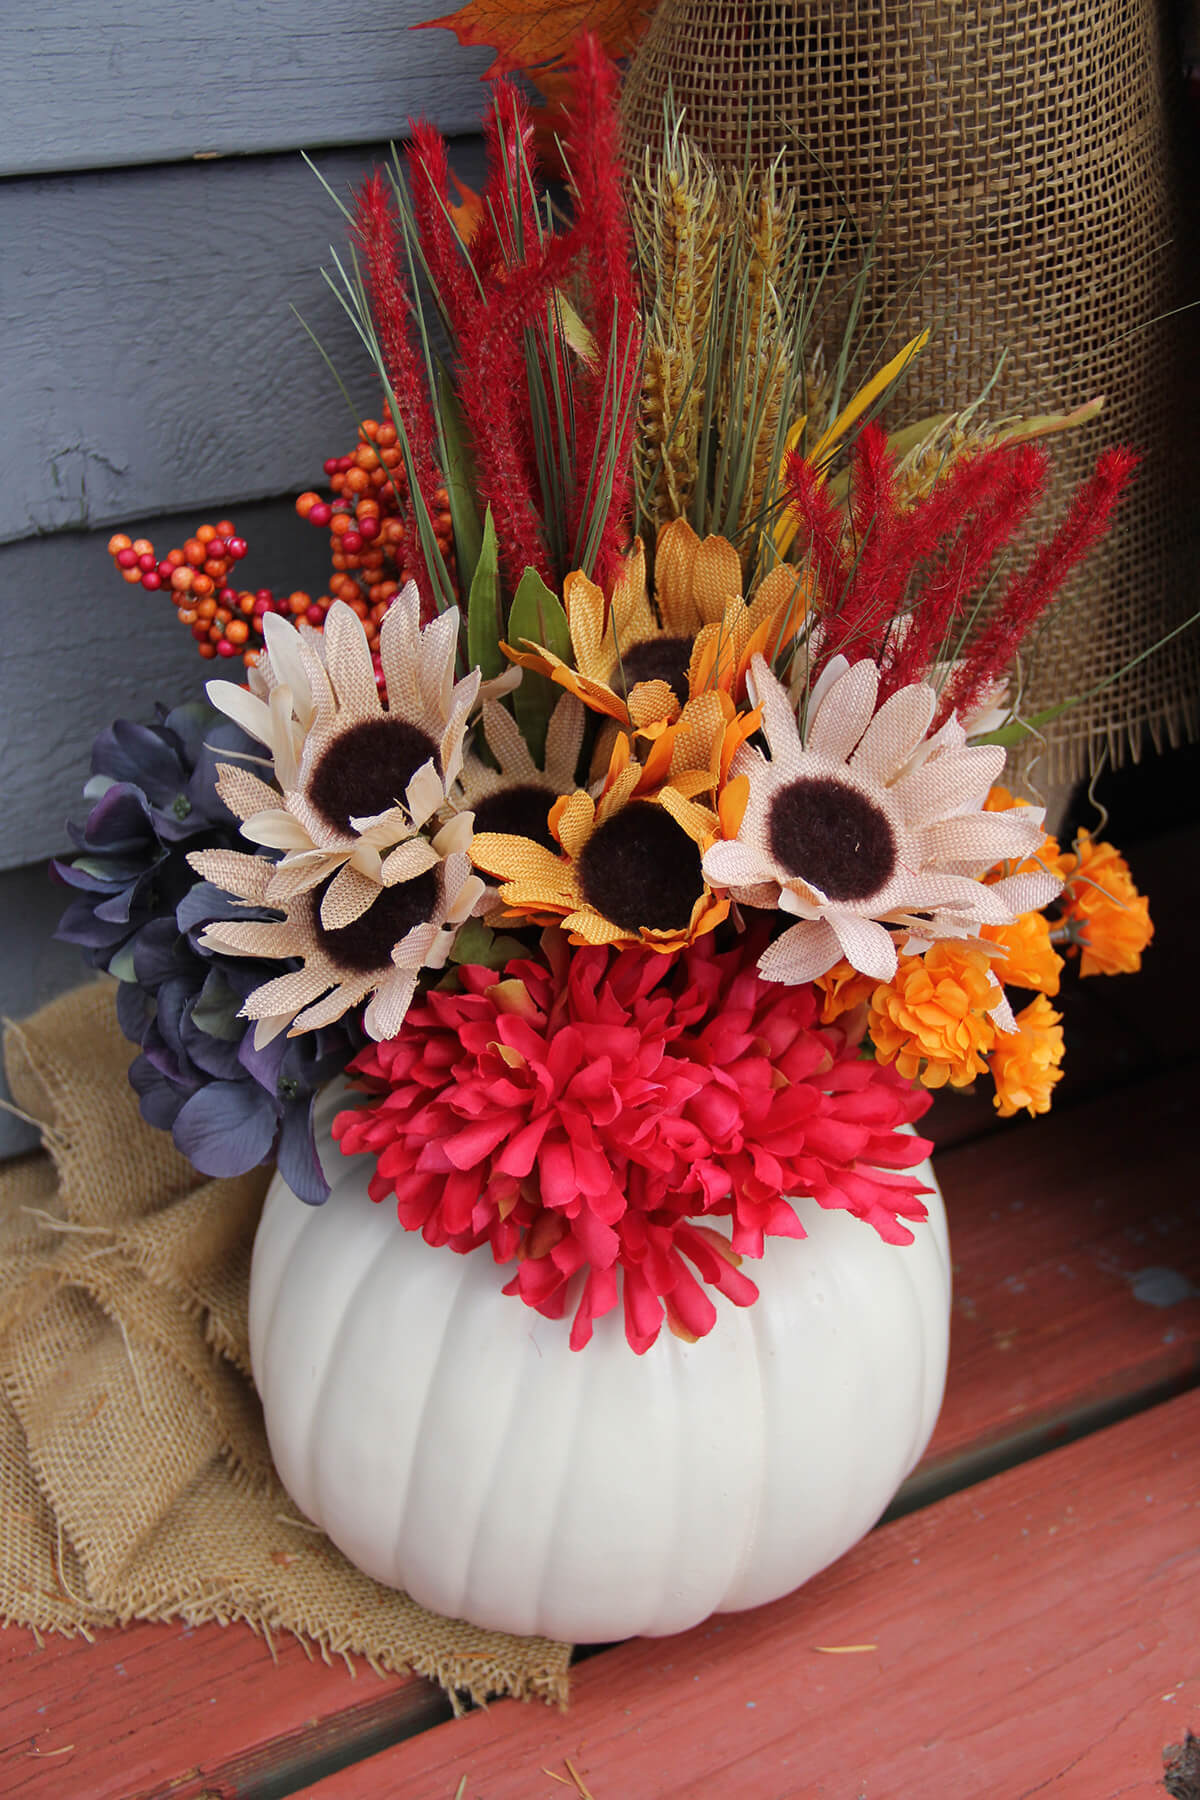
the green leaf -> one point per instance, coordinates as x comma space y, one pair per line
1017, 730
216, 1010
120, 964
483, 607
537, 614
461, 484
477, 943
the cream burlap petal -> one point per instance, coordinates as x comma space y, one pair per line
135, 1479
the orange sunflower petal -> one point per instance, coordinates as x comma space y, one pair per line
716, 579
674, 566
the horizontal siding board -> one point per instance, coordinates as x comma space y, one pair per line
150, 361
81, 649
100, 83
33, 969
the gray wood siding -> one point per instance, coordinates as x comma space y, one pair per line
82, 648
91, 84
151, 359
151, 369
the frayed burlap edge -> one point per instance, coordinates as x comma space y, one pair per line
135, 1481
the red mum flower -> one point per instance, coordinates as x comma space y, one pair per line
590, 1115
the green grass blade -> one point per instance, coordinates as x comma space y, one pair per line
461, 483
538, 615
483, 607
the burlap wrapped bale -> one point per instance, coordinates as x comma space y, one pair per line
1024, 163
135, 1479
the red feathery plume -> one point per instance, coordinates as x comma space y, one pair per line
487, 316
823, 525
978, 507
429, 175
602, 234
882, 563
375, 227
1028, 595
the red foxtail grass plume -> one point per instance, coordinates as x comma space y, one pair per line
376, 230
977, 509
472, 284
1029, 594
823, 525
608, 411
922, 567
441, 246
501, 294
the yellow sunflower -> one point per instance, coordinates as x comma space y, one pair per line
639, 661
516, 795
630, 869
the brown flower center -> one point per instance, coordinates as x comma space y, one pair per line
367, 768
522, 811
367, 942
639, 869
829, 834
656, 659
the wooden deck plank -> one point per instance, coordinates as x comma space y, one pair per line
1036, 1634
211, 1711
1051, 1225
1076, 1249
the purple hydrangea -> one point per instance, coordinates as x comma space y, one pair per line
139, 912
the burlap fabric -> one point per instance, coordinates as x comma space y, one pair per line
1022, 163
135, 1479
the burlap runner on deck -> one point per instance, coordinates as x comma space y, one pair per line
135, 1479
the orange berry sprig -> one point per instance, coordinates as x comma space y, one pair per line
371, 553
373, 548
197, 577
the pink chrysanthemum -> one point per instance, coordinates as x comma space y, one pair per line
590, 1115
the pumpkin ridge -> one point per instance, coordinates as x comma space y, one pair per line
931, 1402
757, 1323
586, 1379
314, 1448
506, 1443
439, 1365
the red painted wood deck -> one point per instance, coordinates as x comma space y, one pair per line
1033, 1603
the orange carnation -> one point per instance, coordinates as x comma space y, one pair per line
1031, 961
842, 989
1025, 1062
1106, 916
932, 1019
1049, 856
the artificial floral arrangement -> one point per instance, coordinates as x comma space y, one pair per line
627, 821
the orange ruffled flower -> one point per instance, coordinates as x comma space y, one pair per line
1108, 919
1049, 855
1025, 1062
842, 989
932, 1019
1030, 961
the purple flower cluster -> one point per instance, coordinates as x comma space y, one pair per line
139, 911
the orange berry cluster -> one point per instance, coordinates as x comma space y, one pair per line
374, 550
373, 555
196, 576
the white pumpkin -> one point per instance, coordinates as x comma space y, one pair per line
451, 1444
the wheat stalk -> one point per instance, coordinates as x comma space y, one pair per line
678, 223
